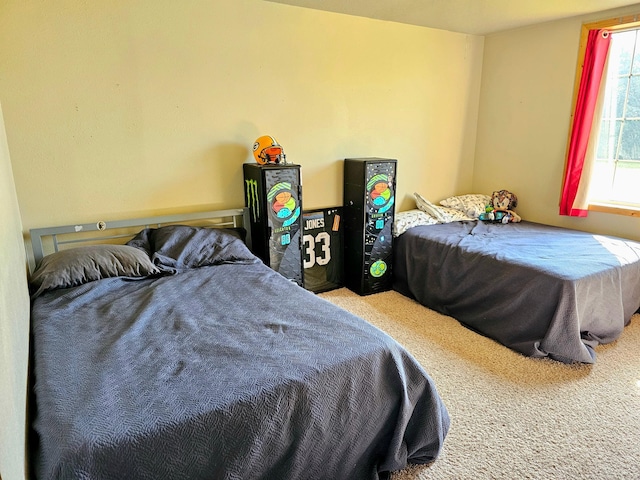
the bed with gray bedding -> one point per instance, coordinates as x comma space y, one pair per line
182, 356
540, 290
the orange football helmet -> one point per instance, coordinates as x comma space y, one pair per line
266, 149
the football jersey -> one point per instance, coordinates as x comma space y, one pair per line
322, 249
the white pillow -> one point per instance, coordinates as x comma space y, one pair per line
471, 204
426, 206
440, 213
403, 221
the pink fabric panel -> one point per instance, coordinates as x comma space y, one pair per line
594, 63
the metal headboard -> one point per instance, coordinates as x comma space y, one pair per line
56, 237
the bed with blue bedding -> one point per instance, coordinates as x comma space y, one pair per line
181, 355
541, 290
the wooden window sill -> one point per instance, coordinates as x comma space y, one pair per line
627, 210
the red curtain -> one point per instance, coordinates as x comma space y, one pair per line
594, 64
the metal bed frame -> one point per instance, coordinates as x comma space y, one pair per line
52, 239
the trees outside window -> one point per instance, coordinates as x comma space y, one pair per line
616, 173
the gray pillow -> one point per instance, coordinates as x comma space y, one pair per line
179, 247
76, 266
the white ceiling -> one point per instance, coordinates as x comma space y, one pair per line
478, 17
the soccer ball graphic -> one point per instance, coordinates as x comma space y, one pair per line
378, 268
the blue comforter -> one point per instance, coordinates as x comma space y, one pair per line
540, 290
227, 371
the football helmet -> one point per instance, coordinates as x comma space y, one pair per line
266, 149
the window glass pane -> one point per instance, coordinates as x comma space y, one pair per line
633, 102
616, 173
601, 180
608, 139
630, 144
621, 95
636, 56
609, 108
621, 50
625, 183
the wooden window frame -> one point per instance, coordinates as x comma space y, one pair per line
627, 22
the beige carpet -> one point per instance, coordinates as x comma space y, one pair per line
514, 417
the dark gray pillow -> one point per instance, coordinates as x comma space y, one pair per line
179, 247
69, 268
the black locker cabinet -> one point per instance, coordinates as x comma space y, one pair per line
369, 197
273, 194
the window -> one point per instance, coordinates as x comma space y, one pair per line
615, 177
602, 170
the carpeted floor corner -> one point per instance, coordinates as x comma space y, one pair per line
514, 417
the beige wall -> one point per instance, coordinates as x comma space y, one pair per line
116, 109
120, 109
14, 324
525, 107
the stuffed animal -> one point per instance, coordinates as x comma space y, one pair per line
500, 209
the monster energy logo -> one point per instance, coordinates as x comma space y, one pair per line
252, 198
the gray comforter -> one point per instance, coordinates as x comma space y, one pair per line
540, 290
227, 371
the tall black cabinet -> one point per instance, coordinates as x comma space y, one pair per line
273, 193
369, 198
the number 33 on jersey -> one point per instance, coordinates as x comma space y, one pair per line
322, 245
